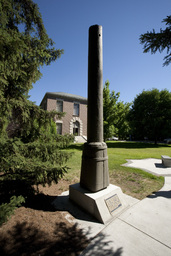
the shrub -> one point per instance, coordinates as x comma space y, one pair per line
7, 209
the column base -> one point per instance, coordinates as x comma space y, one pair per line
103, 205
94, 169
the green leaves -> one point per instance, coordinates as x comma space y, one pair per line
114, 114
150, 115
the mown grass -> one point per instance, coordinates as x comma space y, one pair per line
134, 182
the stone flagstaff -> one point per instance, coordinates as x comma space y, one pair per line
94, 171
94, 193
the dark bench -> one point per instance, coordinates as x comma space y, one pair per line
166, 161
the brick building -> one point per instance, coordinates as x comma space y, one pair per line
75, 107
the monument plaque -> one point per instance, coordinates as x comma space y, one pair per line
113, 203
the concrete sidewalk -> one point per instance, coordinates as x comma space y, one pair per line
142, 229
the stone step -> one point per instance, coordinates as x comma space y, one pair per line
80, 139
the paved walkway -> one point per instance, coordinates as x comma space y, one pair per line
143, 229
150, 165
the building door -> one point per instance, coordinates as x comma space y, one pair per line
76, 128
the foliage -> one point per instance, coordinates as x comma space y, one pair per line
31, 152
24, 46
23, 165
114, 114
109, 111
7, 209
37, 162
22, 118
150, 115
159, 41
122, 123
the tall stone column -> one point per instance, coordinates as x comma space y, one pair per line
94, 170
94, 193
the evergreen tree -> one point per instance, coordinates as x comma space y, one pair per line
30, 149
25, 46
160, 41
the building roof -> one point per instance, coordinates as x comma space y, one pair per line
64, 96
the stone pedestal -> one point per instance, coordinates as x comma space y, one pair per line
103, 205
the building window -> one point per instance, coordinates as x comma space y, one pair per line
59, 128
76, 109
59, 106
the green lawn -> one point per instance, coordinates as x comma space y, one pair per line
134, 182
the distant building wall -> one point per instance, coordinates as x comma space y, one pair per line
75, 107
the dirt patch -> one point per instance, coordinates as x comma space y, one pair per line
134, 184
38, 229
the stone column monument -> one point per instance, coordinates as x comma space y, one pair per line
94, 171
94, 193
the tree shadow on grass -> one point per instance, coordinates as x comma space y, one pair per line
134, 145
124, 144
76, 146
25, 239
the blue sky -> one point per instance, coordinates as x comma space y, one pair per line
128, 69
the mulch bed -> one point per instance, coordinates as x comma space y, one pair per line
37, 229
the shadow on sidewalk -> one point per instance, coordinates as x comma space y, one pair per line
101, 247
166, 194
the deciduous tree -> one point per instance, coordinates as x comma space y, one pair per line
109, 111
150, 115
114, 114
122, 123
